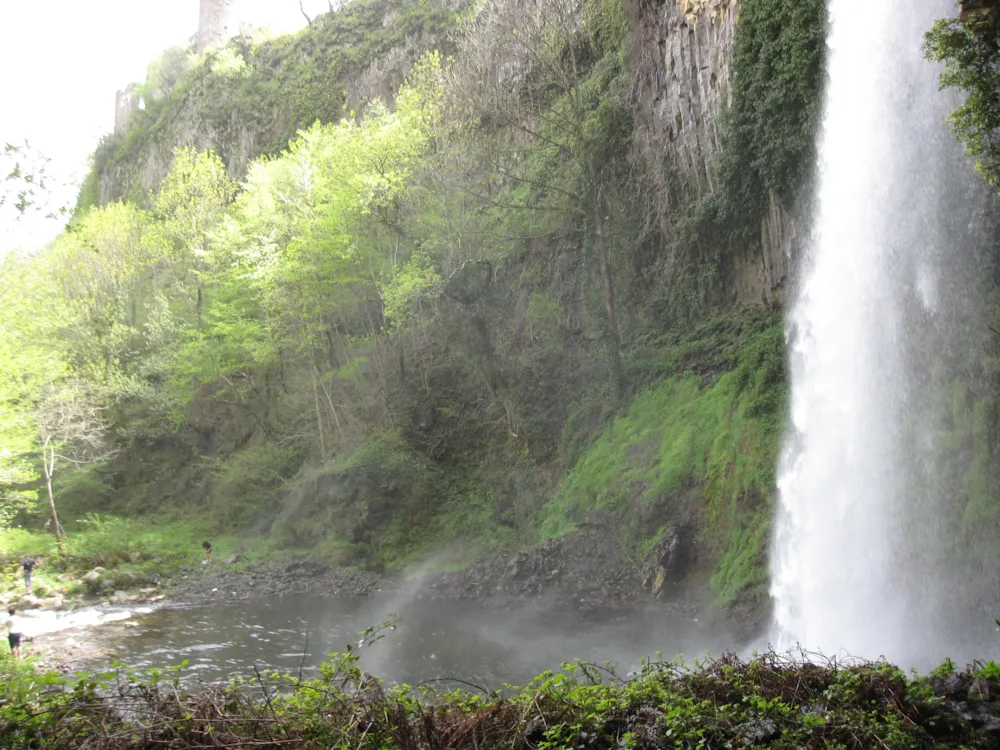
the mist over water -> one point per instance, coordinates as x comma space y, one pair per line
859, 563
435, 640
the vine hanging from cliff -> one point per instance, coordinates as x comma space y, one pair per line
770, 128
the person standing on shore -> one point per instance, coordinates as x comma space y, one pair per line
28, 563
207, 546
15, 632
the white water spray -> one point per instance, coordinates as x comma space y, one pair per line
872, 262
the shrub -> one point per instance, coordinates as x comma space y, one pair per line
108, 541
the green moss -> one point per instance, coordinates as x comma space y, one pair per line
693, 444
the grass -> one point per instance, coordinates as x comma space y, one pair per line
696, 445
131, 552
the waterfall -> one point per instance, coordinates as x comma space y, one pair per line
843, 579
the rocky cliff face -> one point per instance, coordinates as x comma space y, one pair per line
680, 57
680, 54
339, 64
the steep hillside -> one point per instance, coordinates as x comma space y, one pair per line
250, 97
535, 296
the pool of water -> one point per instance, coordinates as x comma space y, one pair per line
479, 643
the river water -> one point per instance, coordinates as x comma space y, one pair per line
434, 640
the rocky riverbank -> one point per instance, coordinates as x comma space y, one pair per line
234, 581
581, 570
585, 570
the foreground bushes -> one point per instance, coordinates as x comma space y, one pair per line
769, 700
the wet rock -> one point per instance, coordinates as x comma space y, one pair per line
758, 732
277, 580
52, 602
955, 688
126, 579
668, 561
93, 576
979, 690
121, 597
585, 569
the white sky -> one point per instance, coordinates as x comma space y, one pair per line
63, 61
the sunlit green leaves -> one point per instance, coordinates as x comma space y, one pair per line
970, 52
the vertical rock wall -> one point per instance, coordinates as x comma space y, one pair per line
126, 104
680, 58
217, 21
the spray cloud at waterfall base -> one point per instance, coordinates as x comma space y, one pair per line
860, 563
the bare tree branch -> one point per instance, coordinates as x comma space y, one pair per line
304, 14
72, 429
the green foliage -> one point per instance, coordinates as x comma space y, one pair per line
723, 703
25, 185
274, 87
228, 64
244, 481
769, 141
692, 445
970, 52
607, 22
193, 197
989, 671
108, 541
16, 543
413, 284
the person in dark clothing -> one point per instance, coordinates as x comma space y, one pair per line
28, 563
207, 546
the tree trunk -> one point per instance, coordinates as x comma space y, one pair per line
319, 411
49, 464
608, 283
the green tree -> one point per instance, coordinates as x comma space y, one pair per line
306, 253
100, 281
969, 47
191, 201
